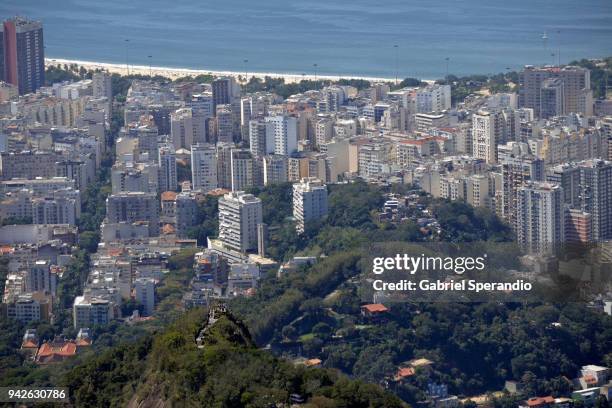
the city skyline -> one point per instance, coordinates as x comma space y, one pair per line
241, 241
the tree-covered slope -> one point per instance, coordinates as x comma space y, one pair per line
169, 369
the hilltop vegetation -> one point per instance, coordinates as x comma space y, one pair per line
168, 369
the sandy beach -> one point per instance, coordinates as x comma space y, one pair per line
173, 73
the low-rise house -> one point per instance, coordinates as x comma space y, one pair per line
403, 373
373, 310
593, 375
56, 351
313, 362
538, 402
29, 344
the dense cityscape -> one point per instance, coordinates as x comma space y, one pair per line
130, 202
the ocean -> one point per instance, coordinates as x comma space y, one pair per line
405, 38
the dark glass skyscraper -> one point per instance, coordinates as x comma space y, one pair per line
22, 54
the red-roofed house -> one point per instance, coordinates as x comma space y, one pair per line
403, 373
539, 402
168, 196
313, 362
56, 351
373, 310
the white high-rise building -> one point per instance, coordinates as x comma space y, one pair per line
204, 167
168, 179
181, 128
433, 98
144, 289
540, 217
239, 214
486, 135
284, 130
309, 202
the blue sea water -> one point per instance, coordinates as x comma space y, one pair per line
340, 36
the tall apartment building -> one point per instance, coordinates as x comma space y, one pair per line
373, 160
587, 186
578, 226
225, 123
297, 167
102, 85
134, 207
274, 169
552, 98
478, 191
181, 128
201, 111
102, 88
186, 210
40, 279
487, 134
148, 139
29, 307
433, 98
204, 167
284, 131
324, 130
261, 142
144, 290
89, 312
606, 131
225, 91
239, 214
540, 217
59, 209
129, 179
168, 178
224, 165
22, 54
28, 164
243, 170
309, 202
577, 95
516, 170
